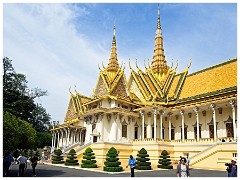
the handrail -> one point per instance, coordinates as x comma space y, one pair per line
72, 145
82, 146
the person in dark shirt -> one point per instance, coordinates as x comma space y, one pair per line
7, 160
232, 168
34, 161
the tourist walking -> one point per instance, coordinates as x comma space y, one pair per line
132, 164
34, 161
179, 162
232, 168
188, 160
7, 160
183, 168
22, 161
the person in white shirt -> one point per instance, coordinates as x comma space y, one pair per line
22, 160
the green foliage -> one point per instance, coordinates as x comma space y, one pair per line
71, 158
165, 161
43, 139
18, 100
57, 157
112, 164
142, 163
17, 133
89, 159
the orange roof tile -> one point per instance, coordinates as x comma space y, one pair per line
214, 78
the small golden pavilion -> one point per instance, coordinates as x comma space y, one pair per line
157, 108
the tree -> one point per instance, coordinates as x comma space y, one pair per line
43, 139
142, 159
18, 99
17, 133
165, 161
71, 158
89, 159
112, 164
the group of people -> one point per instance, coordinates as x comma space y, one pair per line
183, 167
21, 160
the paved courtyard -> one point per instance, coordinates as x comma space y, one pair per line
47, 170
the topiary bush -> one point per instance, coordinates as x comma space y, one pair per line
112, 164
88, 159
71, 158
57, 158
30, 153
165, 161
38, 154
142, 159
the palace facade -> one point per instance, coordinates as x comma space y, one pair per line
156, 108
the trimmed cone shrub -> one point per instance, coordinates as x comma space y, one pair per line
57, 158
38, 154
165, 161
71, 158
88, 159
112, 164
142, 159
30, 153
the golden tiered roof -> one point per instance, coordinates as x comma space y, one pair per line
212, 79
159, 63
159, 83
75, 106
112, 80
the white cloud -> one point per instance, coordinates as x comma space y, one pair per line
43, 43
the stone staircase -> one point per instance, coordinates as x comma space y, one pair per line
208, 152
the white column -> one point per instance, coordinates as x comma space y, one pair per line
142, 114
58, 141
114, 125
55, 139
74, 135
52, 139
214, 121
161, 123
101, 127
233, 104
182, 115
62, 131
149, 126
169, 125
196, 109
155, 123
68, 139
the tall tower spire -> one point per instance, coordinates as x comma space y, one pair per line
113, 60
159, 63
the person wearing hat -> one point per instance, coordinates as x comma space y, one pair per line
232, 168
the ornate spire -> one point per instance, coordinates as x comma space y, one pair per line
159, 63
113, 61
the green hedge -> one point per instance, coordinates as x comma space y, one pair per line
71, 158
112, 169
57, 157
89, 159
142, 163
112, 164
165, 161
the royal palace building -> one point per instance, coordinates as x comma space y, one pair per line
157, 108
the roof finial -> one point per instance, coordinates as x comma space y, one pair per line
114, 28
113, 61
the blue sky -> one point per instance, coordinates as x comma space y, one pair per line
60, 45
